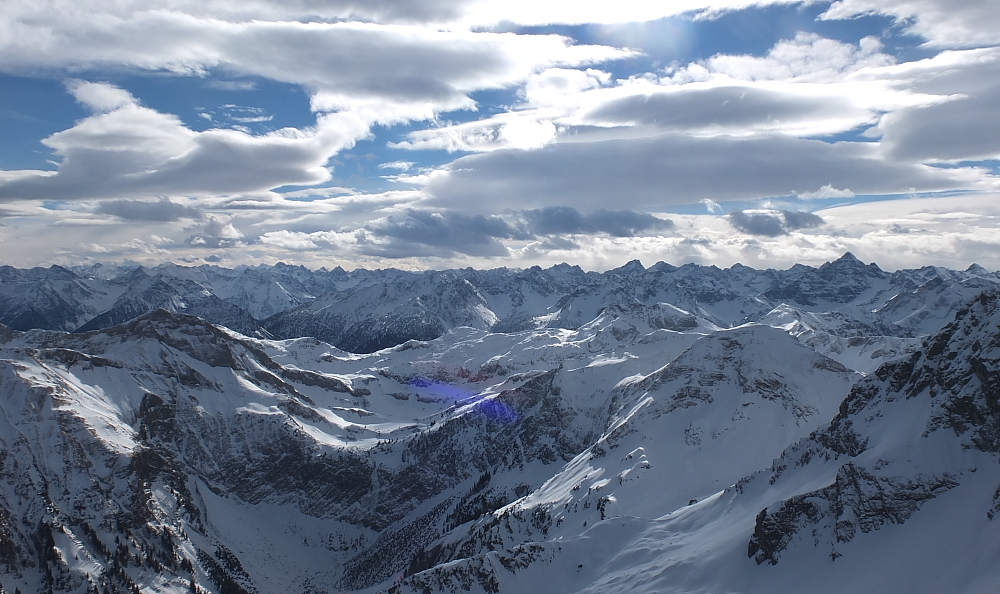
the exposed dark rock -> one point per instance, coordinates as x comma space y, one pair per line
858, 500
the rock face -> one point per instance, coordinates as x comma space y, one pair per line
954, 385
626, 438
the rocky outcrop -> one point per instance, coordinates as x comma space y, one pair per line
954, 380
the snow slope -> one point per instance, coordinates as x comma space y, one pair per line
897, 493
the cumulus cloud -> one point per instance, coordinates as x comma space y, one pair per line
827, 191
807, 57
553, 220
772, 223
317, 240
216, 233
138, 210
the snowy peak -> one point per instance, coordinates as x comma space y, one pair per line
373, 317
630, 269
838, 282
144, 293
335, 305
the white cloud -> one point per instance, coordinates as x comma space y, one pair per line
385, 73
729, 127
827, 191
317, 240
533, 12
397, 165
100, 97
943, 23
711, 205
216, 233
357, 74
442, 13
134, 151
554, 86
899, 233
807, 58
806, 87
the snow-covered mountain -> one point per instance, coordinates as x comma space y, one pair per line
846, 309
52, 298
143, 293
385, 314
662, 429
899, 492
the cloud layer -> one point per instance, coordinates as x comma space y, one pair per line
489, 146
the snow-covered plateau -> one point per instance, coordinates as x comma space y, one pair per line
656, 430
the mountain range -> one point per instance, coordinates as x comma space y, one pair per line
661, 429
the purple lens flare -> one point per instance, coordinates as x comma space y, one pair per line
491, 408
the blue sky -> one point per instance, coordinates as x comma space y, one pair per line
450, 133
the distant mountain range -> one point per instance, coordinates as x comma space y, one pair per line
662, 429
365, 310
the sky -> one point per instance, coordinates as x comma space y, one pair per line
438, 134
